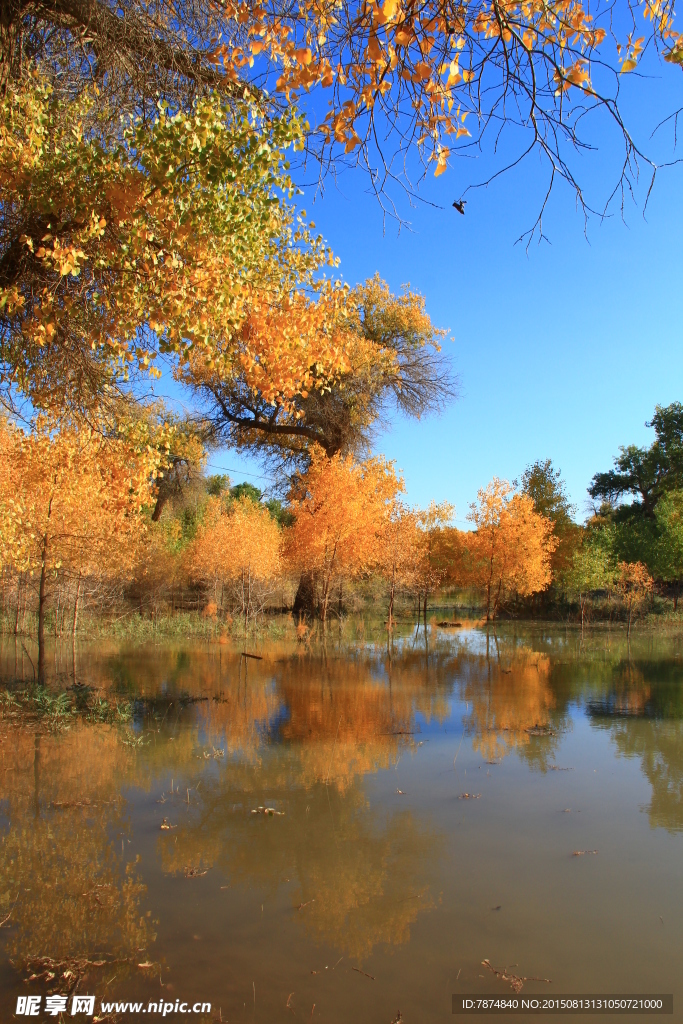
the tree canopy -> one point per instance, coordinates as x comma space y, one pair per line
646, 474
172, 238
432, 78
391, 358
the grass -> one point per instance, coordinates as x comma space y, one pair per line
57, 710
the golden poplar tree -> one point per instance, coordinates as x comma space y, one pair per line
511, 545
341, 508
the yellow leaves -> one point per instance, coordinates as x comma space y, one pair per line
633, 582
239, 540
374, 50
511, 546
390, 8
70, 492
442, 161
675, 54
421, 72
341, 509
454, 74
634, 49
404, 35
577, 75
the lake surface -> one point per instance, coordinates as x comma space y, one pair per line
431, 806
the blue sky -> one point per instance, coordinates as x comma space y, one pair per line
562, 350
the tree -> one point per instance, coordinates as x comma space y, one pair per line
73, 503
341, 508
646, 474
669, 547
389, 354
168, 236
511, 546
634, 584
431, 567
238, 543
399, 551
400, 80
592, 568
546, 488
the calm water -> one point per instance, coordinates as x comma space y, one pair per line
377, 886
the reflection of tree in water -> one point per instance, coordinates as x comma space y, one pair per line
59, 856
365, 872
643, 710
513, 706
659, 745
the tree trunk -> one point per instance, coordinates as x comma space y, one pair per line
326, 594
497, 601
305, 600
16, 619
391, 602
425, 610
76, 603
41, 617
41, 599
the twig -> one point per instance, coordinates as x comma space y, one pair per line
6, 919
516, 980
363, 973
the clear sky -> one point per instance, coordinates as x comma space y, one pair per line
562, 350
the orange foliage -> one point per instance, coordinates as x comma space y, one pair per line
634, 584
516, 704
238, 545
511, 546
399, 552
424, 69
71, 500
341, 510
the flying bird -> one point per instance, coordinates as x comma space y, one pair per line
459, 204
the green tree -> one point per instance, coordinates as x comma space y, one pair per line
668, 562
645, 474
546, 488
592, 568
